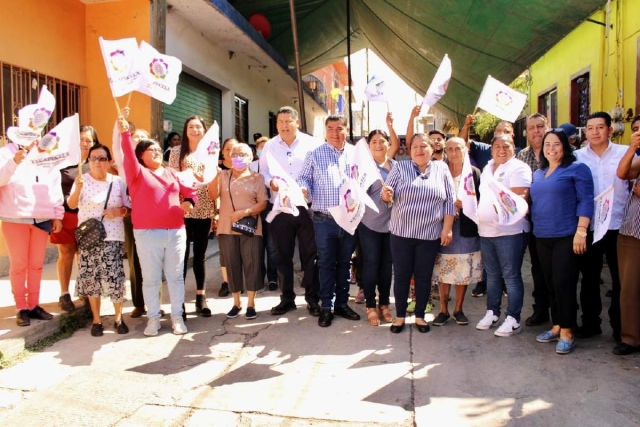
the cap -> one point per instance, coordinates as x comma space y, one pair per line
569, 129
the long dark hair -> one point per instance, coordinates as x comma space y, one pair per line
142, 147
567, 153
184, 142
167, 142
377, 132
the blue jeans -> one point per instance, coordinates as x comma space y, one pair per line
502, 258
376, 265
335, 247
162, 249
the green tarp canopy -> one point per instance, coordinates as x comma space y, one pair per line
482, 37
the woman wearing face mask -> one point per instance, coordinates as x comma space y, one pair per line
225, 164
101, 271
198, 221
242, 193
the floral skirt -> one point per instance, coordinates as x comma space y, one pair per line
101, 272
458, 269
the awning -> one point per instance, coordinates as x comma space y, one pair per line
483, 37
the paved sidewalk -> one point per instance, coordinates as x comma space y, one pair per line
286, 371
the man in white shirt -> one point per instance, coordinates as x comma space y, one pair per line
289, 148
602, 156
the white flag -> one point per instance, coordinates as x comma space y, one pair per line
602, 213
59, 148
22, 137
289, 192
509, 206
36, 116
121, 61
375, 90
159, 73
365, 170
207, 153
467, 191
439, 84
350, 211
501, 101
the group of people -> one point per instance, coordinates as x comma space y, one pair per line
420, 234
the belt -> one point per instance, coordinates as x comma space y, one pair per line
322, 214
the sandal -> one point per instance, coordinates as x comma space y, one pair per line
385, 312
372, 317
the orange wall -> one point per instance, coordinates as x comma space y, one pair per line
113, 20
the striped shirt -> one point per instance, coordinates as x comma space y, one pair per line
324, 171
420, 200
378, 222
631, 221
528, 156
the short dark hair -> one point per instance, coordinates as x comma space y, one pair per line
98, 146
539, 116
420, 135
600, 115
336, 118
143, 146
377, 132
288, 110
567, 152
635, 119
507, 138
439, 132
94, 134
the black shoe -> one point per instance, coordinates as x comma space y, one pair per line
625, 349
273, 286
65, 303
441, 319
184, 313
325, 318
224, 290
121, 327
212, 235
588, 331
461, 319
396, 329
97, 330
138, 312
423, 329
201, 306
283, 308
314, 309
479, 290
346, 312
233, 313
537, 318
38, 312
22, 318
250, 313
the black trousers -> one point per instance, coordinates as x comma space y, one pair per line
135, 271
284, 229
560, 267
540, 287
198, 234
591, 266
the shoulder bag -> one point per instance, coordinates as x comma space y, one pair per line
91, 233
247, 225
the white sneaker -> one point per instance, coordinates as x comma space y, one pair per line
487, 321
509, 327
153, 326
179, 328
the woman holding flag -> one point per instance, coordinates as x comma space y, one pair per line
460, 263
198, 221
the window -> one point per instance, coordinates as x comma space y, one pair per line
548, 105
242, 119
273, 130
580, 100
20, 87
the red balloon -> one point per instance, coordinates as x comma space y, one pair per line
261, 24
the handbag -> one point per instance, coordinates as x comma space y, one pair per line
91, 233
247, 225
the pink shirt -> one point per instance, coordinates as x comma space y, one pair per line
155, 199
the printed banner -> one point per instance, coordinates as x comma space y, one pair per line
22, 137
35, 117
289, 192
501, 101
365, 170
121, 61
375, 91
350, 211
439, 84
602, 213
467, 191
59, 148
509, 206
207, 153
159, 73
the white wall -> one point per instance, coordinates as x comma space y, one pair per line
266, 89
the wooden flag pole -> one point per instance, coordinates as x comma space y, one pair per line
117, 106
129, 99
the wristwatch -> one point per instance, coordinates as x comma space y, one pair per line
581, 233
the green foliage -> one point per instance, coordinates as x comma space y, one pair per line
485, 123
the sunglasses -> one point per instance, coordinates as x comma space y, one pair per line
98, 159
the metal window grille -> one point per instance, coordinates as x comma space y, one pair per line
20, 87
242, 119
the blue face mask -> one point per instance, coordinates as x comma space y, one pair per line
259, 152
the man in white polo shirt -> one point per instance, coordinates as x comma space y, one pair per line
289, 148
602, 156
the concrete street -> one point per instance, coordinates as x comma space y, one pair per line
287, 371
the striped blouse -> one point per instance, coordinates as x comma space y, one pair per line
420, 200
631, 220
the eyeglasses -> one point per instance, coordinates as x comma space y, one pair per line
235, 156
98, 159
154, 150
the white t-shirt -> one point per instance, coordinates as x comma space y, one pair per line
91, 203
513, 173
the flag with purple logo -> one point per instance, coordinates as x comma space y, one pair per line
500, 100
365, 170
467, 191
439, 84
375, 90
350, 211
289, 193
159, 73
509, 206
36, 116
208, 153
602, 213
58, 148
121, 62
